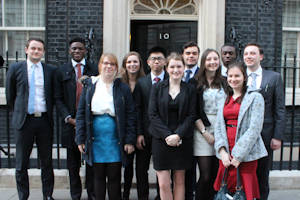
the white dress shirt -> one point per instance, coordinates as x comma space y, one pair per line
193, 69
39, 98
258, 79
74, 63
161, 76
223, 70
102, 100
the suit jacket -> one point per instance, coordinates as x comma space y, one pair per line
273, 93
158, 111
125, 118
65, 96
142, 96
249, 145
17, 91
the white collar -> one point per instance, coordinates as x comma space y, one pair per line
193, 69
258, 71
74, 63
29, 63
161, 76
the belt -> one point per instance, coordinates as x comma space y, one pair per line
37, 114
231, 125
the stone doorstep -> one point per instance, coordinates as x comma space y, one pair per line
282, 180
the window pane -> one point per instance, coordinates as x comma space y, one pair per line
2, 44
291, 13
37, 34
1, 13
36, 13
14, 13
289, 44
16, 43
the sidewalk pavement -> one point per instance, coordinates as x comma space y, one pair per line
63, 194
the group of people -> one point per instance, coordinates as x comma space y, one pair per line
180, 114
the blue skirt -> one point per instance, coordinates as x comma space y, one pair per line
106, 146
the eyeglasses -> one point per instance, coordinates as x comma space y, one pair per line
156, 58
108, 63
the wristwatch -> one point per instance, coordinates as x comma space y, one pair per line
203, 130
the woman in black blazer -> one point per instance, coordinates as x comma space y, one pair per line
172, 116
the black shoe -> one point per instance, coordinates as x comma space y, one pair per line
48, 198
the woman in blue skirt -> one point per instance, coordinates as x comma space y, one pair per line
105, 127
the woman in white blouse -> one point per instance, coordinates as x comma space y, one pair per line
105, 126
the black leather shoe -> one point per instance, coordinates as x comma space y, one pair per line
48, 198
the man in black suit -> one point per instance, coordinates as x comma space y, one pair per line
271, 87
67, 94
228, 55
156, 62
29, 92
190, 54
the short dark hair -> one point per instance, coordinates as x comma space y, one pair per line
228, 45
190, 44
157, 49
77, 39
261, 51
34, 39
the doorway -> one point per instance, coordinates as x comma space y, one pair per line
170, 35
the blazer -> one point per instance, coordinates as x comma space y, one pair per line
274, 121
158, 111
17, 91
249, 145
65, 97
125, 118
142, 96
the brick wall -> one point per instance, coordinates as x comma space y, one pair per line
242, 16
72, 18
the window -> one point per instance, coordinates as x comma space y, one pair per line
19, 20
291, 39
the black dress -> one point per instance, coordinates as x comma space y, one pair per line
166, 157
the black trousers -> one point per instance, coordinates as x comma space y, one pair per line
190, 181
263, 170
40, 131
142, 164
73, 165
128, 175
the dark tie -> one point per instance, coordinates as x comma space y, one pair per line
188, 75
78, 84
253, 83
156, 79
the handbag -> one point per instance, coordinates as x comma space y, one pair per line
240, 193
223, 192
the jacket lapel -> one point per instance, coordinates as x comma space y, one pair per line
25, 75
244, 107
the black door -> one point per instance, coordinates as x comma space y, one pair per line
170, 35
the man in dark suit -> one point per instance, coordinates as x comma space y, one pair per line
271, 87
190, 54
156, 62
29, 92
67, 94
228, 55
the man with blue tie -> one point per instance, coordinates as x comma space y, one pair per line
67, 93
29, 92
190, 54
270, 85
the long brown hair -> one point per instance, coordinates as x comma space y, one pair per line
200, 76
229, 90
123, 71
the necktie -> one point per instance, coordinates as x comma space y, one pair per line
31, 98
156, 79
253, 83
78, 84
188, 75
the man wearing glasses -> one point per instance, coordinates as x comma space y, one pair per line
156, 62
